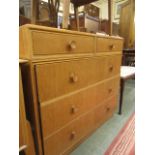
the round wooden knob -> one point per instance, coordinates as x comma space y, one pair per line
74, 109
73, 77
108, 109
112, 46
110, 90
73, 134
111, 68
72, 45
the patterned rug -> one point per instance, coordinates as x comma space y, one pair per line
124, 142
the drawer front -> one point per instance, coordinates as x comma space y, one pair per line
61, 112
109, 45
63, 77
112, 87
60, 141
55, 115
100, 93
69, 136
46, 43
104, 111
113, 64
107, 89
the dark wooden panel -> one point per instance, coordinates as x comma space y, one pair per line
92, 10
82, 2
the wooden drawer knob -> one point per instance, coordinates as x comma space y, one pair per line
110, 90
73, 135
72, 45
74, 109
73, 77
112, 46
108, 109
111, 68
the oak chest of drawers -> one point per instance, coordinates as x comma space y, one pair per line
71, 84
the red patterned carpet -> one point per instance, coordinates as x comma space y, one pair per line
124, 142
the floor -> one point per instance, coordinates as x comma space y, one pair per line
99, 141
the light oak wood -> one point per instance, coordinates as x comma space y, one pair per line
70, 107
69, 93
23, 138
55, 115
69, 135
45, 41
31, 147
64, 77
21, 61
26, 141
112, 87
107, 89
112, 65
108, 45
80, 127
31, 104
104, 111
54, 43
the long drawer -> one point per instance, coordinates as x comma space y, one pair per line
49, 43
64, 77
59, 78
108, 45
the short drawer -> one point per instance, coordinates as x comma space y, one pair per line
112, 65
111, 87
107, 89
64, 77
56, 115
49, 43
104, 111
68, 136
107, 45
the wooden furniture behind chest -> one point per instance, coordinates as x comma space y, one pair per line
128, 58
71, 84
104, 26
127, 24
86, 23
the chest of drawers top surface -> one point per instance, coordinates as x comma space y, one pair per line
40, 41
